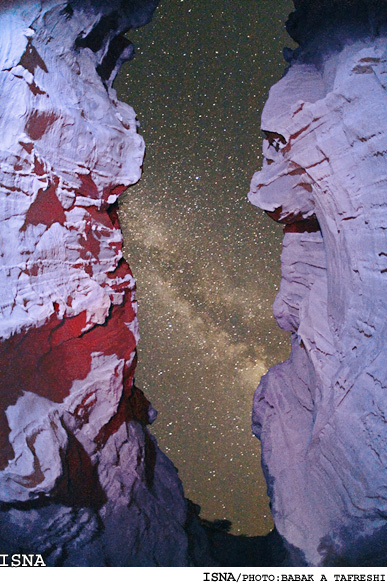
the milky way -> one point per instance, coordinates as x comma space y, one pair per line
206, 261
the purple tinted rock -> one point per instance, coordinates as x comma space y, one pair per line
321, 416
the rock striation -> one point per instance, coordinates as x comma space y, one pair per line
322, 415
82, 480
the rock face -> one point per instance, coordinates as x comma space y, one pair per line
82, 480
322, 415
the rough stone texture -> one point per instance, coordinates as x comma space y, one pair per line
82, 481
322, 415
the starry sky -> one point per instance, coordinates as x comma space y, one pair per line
206, 261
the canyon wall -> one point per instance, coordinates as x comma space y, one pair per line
82, 480
322, 415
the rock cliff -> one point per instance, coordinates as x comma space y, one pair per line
321, 416
82, 480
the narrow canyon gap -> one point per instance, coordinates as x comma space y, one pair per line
206, 261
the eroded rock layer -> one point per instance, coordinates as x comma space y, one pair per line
321, 416
82, 480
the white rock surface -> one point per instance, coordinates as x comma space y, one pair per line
82, 481
321, 416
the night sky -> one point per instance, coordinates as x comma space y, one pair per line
206, 261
